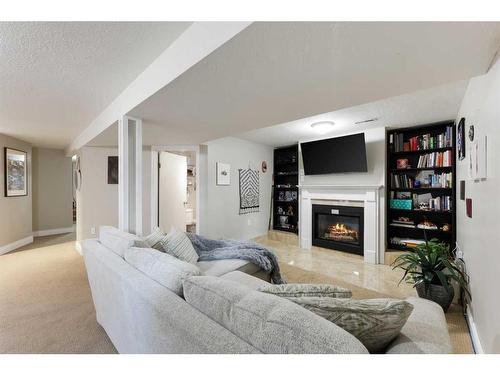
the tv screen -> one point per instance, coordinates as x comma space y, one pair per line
335, 155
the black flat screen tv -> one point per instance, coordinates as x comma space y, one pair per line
335, 155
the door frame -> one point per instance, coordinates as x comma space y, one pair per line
200, 152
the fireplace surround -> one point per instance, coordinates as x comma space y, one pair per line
338, 227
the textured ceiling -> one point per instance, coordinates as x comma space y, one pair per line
422, 107
56, 77
272, 73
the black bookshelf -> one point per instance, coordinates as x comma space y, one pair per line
285, 189
416, 144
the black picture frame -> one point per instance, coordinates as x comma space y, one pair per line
9, 193
112, 170
461, 139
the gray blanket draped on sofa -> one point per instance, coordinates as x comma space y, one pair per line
209, 249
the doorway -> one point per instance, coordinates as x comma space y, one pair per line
177, 190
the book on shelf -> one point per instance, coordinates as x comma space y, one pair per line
401, 181
422, 142
435, 159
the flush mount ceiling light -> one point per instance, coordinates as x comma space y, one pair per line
322, 127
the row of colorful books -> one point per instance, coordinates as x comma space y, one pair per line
422, 142
435, 159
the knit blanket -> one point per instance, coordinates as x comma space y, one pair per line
209, 249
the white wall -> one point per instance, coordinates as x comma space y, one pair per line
15, 212
97, 201
479, 236
222, 215
52, 190
375, 157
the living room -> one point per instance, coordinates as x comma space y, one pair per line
299, 201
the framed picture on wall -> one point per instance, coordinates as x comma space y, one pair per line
15, 172
112, 170
223, 171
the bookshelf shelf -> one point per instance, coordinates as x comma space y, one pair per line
408, 147
285, 189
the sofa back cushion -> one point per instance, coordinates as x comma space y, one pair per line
163, 268
271, 324
116, 240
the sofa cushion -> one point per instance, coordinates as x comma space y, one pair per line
425, 332
269, 323
116, 240
245, 279
307, 290
223, 266
375, 322
153, 240
163, 268
178, 244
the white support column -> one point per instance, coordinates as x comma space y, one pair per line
130, 174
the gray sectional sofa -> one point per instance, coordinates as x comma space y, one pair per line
140, 315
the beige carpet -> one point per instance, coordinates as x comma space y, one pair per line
45, 301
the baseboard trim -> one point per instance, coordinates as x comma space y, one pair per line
78, 247
15, 245
474, 335
51, 232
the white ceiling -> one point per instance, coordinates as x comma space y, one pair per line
273, 73
56, 77
422, 107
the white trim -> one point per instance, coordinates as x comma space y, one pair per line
197, 42
474, 335
138, 177
123, 165
78, 247
16, 245
51, 232
154, 188
346, 187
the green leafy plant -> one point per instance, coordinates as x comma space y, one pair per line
430, 263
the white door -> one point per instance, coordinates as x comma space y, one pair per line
172, 191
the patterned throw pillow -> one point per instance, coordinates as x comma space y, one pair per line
306, 290
178, 244
153, 240
374, 322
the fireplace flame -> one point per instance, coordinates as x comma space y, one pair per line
342, 232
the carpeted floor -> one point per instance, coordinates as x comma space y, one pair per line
46, 305
45, 301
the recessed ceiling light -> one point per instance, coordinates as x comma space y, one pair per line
322, 127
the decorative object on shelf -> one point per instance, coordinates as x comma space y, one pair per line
430, 268
264, 166
281, 196
416, 184
401, 204
446, 227
284, 222
294, 195
402, 164
471, 133
424, 206
426, 224
288, 196
112, 170
290, 211
249, 191
223, 174
15, 172
280, 210
461, 139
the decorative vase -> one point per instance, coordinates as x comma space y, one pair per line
437, 293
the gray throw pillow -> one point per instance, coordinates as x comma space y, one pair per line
374, 322
307, 290
153, 240
178, 244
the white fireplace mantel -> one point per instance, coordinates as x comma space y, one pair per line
368, 195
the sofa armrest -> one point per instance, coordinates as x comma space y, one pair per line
425, 332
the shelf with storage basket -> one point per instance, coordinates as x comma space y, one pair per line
421, 185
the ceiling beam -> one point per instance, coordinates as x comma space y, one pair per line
197, 42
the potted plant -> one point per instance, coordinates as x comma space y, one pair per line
430, 268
